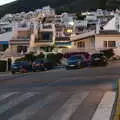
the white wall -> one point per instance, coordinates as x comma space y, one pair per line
99, 42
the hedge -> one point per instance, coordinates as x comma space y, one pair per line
3, 66
51, 57
108, 53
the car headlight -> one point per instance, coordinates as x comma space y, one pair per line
79, 62
66, 63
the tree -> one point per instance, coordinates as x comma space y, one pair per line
80, 17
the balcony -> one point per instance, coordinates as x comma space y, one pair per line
62, 39
19, 42
47, 27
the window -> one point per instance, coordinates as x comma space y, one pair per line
81, 44
108, 44
111, 44
105, 43
22, 49
45, 36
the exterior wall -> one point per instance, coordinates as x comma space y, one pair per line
89, 43
19, 38
99, 42
13, 47
37, 35
22, 34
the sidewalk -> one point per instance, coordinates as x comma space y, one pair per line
116, 115
3, 74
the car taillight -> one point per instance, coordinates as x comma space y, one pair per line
33, 64
42, 64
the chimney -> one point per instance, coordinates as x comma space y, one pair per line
98, 27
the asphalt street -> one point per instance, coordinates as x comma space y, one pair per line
59, 94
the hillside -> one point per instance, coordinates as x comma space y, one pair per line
59, 5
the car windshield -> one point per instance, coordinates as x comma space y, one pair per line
17, 63
74, 57
97, 55
39, 61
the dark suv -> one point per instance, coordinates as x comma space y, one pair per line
98, 59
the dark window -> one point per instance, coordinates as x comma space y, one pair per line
108, 44
105, 43
111, 44
22, 49
81, 44
45, 36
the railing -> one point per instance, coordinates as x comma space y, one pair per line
14, 42
21, 38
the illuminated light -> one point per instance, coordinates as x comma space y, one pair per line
71, 23
43, 14
69, 46
69, 31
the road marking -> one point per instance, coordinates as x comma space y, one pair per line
65, 112
16, 101
4, 96
105, 107
31, 110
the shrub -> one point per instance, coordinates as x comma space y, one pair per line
108, 53
3, 66
20, 59
40, 56
52, 58
30, 57
59, 56
55, 58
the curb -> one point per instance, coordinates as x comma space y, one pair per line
116, 115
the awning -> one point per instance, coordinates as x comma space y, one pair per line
4, 42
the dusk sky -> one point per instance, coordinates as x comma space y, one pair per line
2, 2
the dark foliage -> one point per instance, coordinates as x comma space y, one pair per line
3, 66
108, 53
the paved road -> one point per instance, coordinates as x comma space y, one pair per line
84, 94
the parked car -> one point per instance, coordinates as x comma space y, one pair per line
21, 66
98, 59
76, 61
38, 65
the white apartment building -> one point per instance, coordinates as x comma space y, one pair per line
46, 11
43, 37
21, 37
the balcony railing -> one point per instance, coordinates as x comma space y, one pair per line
21, 38
17, 42
47, 27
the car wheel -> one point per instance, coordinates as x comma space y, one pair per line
13, 72
45, 69
67, 68
34, 70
